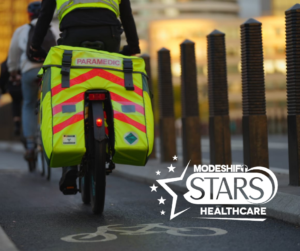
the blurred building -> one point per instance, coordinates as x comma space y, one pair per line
255, 8
278, 7
146, 11
13, 13
170, 33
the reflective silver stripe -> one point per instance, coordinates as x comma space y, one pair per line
62, 8
70, 3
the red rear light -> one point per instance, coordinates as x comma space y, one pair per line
99, 122
97, 96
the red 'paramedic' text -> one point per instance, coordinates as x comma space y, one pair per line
98, 61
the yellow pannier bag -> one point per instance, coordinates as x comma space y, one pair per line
67, 74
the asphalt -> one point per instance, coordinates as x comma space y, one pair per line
36, 216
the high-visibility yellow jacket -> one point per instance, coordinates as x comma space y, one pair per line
63, 7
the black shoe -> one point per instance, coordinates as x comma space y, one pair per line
67, 183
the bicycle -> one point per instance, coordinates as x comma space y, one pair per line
98, 138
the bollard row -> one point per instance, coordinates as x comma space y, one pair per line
253, 80
191, 146
219, 131
166, 106
292, 17
166, 100
217, 74
255, 126
293, 59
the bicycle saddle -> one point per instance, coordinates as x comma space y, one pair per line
96, 45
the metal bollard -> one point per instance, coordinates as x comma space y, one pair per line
166, 107
255, 128
146, 58
191, 137
292, 17
219, 128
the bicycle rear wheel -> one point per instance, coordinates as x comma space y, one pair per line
97, 173
84, 184
48, 172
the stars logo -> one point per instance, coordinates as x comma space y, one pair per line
171, 168
164, 182
153, 188
161, 200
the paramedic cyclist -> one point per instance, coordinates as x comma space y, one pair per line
86, 20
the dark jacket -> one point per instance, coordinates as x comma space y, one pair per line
87, 17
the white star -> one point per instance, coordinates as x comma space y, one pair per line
162, 212
175, 157
153, 188
161, 200
171, 168
164, 182
158, 172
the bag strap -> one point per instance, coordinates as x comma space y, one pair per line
65, 69
128, 69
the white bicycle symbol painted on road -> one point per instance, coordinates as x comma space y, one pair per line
141, 229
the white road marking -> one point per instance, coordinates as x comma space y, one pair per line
141, 229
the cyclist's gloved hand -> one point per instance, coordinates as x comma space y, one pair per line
37, 54
128, 51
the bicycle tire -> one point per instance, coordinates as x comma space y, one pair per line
48, 176
46, 168
41, 161
85, 189
31, 165
97, 172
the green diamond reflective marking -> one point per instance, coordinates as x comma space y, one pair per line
131, 138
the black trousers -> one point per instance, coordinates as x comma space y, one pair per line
16, 93
109, 35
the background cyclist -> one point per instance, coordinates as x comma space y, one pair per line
17, 59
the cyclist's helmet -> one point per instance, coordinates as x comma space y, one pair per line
34, 9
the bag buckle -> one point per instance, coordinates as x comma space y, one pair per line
65, 70
127, 65
128, 69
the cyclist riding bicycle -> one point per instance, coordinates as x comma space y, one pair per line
86, 20
18, 59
